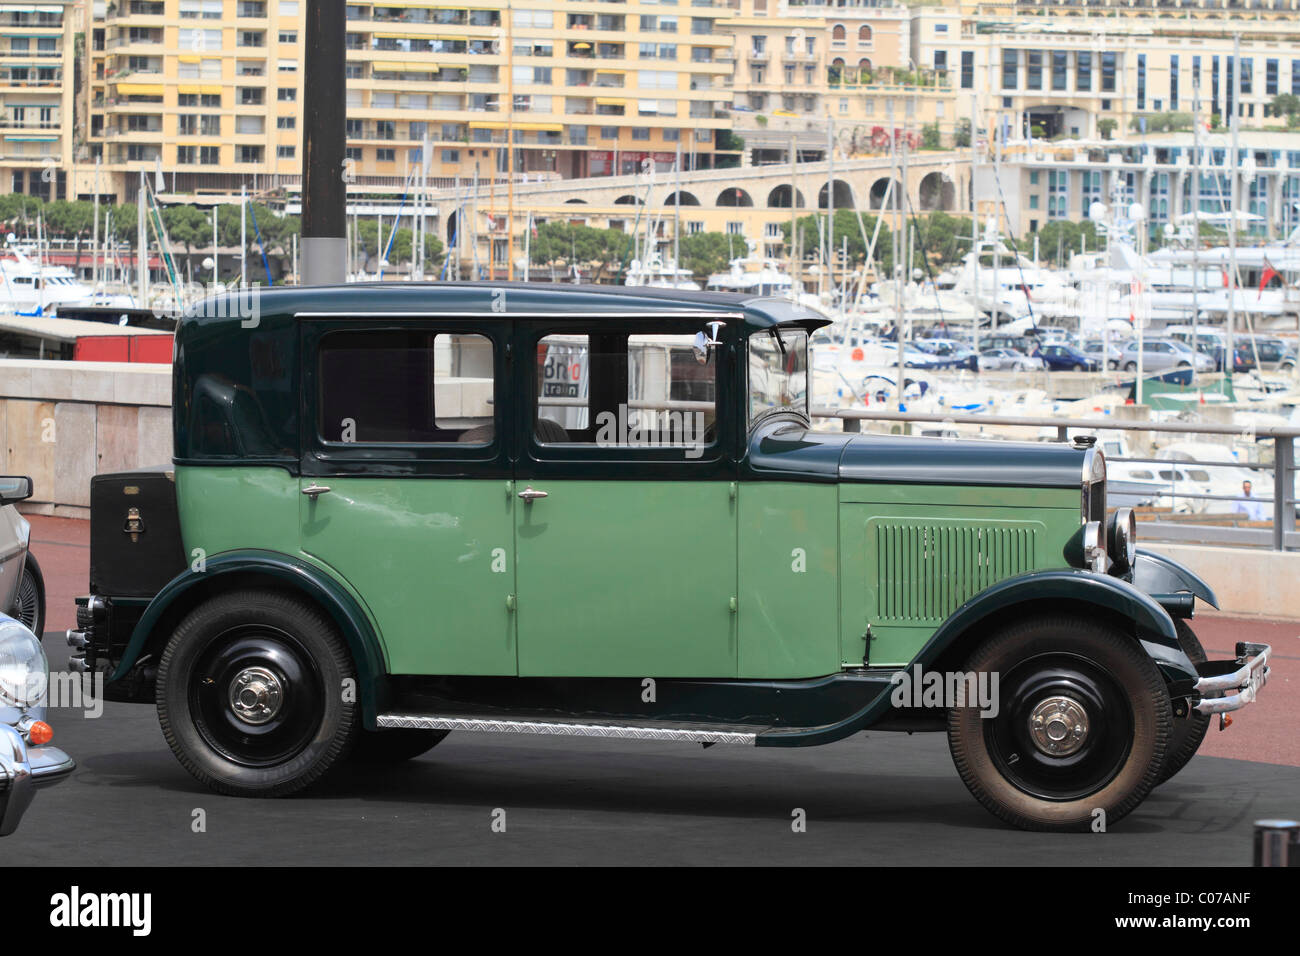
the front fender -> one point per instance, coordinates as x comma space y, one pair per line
1154, 630
1156, 574
298, 575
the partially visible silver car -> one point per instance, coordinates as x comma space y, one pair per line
22, 587
1000, 359
1164, 355
27, 761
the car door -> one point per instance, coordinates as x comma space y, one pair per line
625, 507
405, 470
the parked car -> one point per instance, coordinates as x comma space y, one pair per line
1093, 348
951, 351
1272, 354
22, 586
1066, 358
1164, 355
604, 512
27, 761
996, 360
1212, 344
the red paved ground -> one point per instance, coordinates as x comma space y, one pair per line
1266, 731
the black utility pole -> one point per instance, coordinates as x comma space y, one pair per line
324, 175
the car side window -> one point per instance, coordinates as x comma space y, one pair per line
396, 387
624, 390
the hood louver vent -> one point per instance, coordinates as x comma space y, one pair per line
925, 570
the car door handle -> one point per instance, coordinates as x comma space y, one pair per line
529, 494
314, 491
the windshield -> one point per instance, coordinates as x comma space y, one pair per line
778, 372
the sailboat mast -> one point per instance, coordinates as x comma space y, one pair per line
1229, 360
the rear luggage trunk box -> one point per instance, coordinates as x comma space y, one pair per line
135, 532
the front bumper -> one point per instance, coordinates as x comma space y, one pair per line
23, 771
1230, 685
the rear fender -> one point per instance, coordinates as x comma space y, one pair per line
283, 571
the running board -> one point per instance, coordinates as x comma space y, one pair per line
700, 734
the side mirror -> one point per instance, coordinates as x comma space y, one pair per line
14, 488
701, 348
704, 343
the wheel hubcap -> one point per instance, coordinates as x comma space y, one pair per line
28, 603
1064, 727
1058, 726
255, 695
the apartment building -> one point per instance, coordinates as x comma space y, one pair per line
802, 63
37, 121
1083, 70
211, 89
1043, 181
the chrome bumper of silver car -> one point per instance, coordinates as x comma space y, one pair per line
1221, 693
24, 770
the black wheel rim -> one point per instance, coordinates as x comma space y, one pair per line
300, 703
1099, 757
28, 606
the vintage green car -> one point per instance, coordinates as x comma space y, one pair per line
400, 510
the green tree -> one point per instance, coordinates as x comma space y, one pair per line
600, 250
1285, 104
1106, 127
727, 140
705, 253
1060, 238
961, 134
930, 136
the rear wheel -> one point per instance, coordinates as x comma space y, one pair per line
250, 694
1188, 732
394, 746
1082, 725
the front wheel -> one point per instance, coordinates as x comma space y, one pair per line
1131, 367
1188, 732
251, 694
29, 602
1080, 731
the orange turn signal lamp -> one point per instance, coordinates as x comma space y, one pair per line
39, 733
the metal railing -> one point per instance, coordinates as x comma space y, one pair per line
1281, 536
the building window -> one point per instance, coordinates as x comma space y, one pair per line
385, 155
1247, 75
1060, 67
1083, 71
287, 94
1108, 72
1142, 81
1173, 82
286, 152
1033, 69
209, 155
451, 156
1270, 78
1010, 69
286, 122
967, 69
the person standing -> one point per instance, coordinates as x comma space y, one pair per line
1253, 508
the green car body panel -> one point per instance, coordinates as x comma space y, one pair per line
793, 555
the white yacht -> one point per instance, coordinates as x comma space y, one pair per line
29, 287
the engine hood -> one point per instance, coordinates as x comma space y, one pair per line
788, 449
